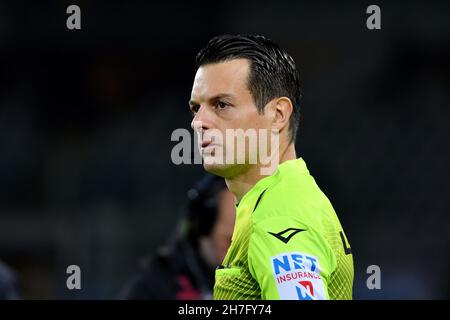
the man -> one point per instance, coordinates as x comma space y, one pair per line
288, 242
183, 269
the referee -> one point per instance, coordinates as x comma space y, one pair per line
288, 242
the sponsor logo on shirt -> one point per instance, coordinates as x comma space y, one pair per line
287, 234
305, 291
297, 276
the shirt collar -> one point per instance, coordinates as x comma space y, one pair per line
289, 167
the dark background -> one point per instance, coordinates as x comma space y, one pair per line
86, 116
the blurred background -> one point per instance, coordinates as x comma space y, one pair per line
86, 117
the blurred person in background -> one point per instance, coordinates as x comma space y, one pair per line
183, 269
8, 283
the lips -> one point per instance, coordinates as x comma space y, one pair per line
206, 143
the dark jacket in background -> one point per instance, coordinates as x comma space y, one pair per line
173, 273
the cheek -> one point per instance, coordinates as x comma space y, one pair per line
222, 248
251, 119
221, 243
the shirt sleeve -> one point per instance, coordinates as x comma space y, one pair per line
290, 260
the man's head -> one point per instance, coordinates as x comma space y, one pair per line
211, 215
216, 245
244, 82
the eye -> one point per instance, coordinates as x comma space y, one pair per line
194, 109
221, 104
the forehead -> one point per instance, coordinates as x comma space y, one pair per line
222, 77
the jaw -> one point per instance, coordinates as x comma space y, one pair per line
227, 171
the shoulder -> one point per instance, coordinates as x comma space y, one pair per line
297, 198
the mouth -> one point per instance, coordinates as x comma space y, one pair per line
206, 143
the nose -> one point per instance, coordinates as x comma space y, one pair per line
201, 120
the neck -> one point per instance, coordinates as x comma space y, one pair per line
242, 183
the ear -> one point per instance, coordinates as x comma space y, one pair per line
283, 110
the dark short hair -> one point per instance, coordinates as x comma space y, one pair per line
272, 70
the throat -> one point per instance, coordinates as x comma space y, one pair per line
242, 183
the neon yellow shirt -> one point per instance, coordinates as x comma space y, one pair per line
287, 243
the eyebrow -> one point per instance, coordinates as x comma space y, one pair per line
214, 98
